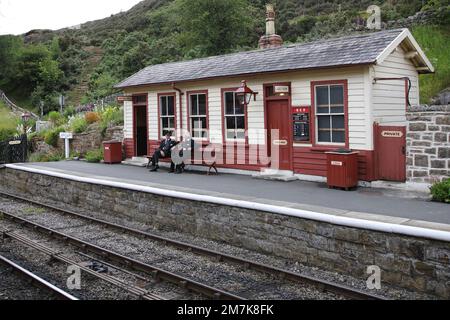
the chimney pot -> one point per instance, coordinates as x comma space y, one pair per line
270, 39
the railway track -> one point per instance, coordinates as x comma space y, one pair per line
158, 273
36, 280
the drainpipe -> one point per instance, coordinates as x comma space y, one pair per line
181, 104
408, 83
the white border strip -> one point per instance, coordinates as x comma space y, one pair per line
38, 279
304, 214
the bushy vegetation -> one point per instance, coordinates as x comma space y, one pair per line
8, 123
94, 156
92, 117
51, 136
78, 124
441, 191
48, 157
435, 41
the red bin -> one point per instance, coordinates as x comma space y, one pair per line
112, 152
342, 169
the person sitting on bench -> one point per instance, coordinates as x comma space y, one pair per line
164, 151
183, 152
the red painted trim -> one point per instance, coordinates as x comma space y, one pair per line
134, 119
289, 121
313, 112
224, 135
188, 104
166, 94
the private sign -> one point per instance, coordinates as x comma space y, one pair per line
392, 134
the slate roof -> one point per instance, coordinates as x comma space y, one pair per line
345, 51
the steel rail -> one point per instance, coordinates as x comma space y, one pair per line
36, 280
141, 293
157, 273
321, 284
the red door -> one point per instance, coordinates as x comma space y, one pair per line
278, 119
390, 150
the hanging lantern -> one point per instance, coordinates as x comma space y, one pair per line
244, 94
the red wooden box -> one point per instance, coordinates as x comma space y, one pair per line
112, 152
342, 169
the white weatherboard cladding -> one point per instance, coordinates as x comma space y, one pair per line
128, 120
359, 112
153, 116
389, 97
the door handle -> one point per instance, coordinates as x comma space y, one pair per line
404, 150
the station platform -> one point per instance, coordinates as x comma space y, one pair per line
364, 203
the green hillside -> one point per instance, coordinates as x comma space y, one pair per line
85, 63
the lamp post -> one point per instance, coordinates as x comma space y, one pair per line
244, 94
25, 117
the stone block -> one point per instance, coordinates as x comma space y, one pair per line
440, 137
445, 120
438, 164
417, 126
421, 267
412, 118
438, 172
421, 144
433, 128
444, 153
421, 160
415, 136
430, 151
445, 128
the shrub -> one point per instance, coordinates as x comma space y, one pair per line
8, 123
41, 157
69, 112
78, 124
441, 191
92, 117
94, 156
55, 118
52, 136
112, 116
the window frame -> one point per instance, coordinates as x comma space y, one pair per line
315, 115
224, 91
160, 116
190, 116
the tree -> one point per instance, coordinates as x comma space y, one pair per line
216, 26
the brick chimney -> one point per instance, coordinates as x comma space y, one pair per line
270, 39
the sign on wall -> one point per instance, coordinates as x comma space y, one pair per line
281, 90
392, 134
124, 98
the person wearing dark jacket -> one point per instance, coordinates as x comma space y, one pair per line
183, 151
164, 151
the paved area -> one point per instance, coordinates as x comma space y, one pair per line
366, 200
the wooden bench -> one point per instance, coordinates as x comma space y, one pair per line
212, 166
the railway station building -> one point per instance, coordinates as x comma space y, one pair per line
344, 93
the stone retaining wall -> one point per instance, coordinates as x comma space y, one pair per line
428, 144
407, 262
81, 143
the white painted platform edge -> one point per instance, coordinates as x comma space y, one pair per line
304, 214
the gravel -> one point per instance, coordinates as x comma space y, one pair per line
15, 287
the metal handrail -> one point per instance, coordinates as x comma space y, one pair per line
15, 107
